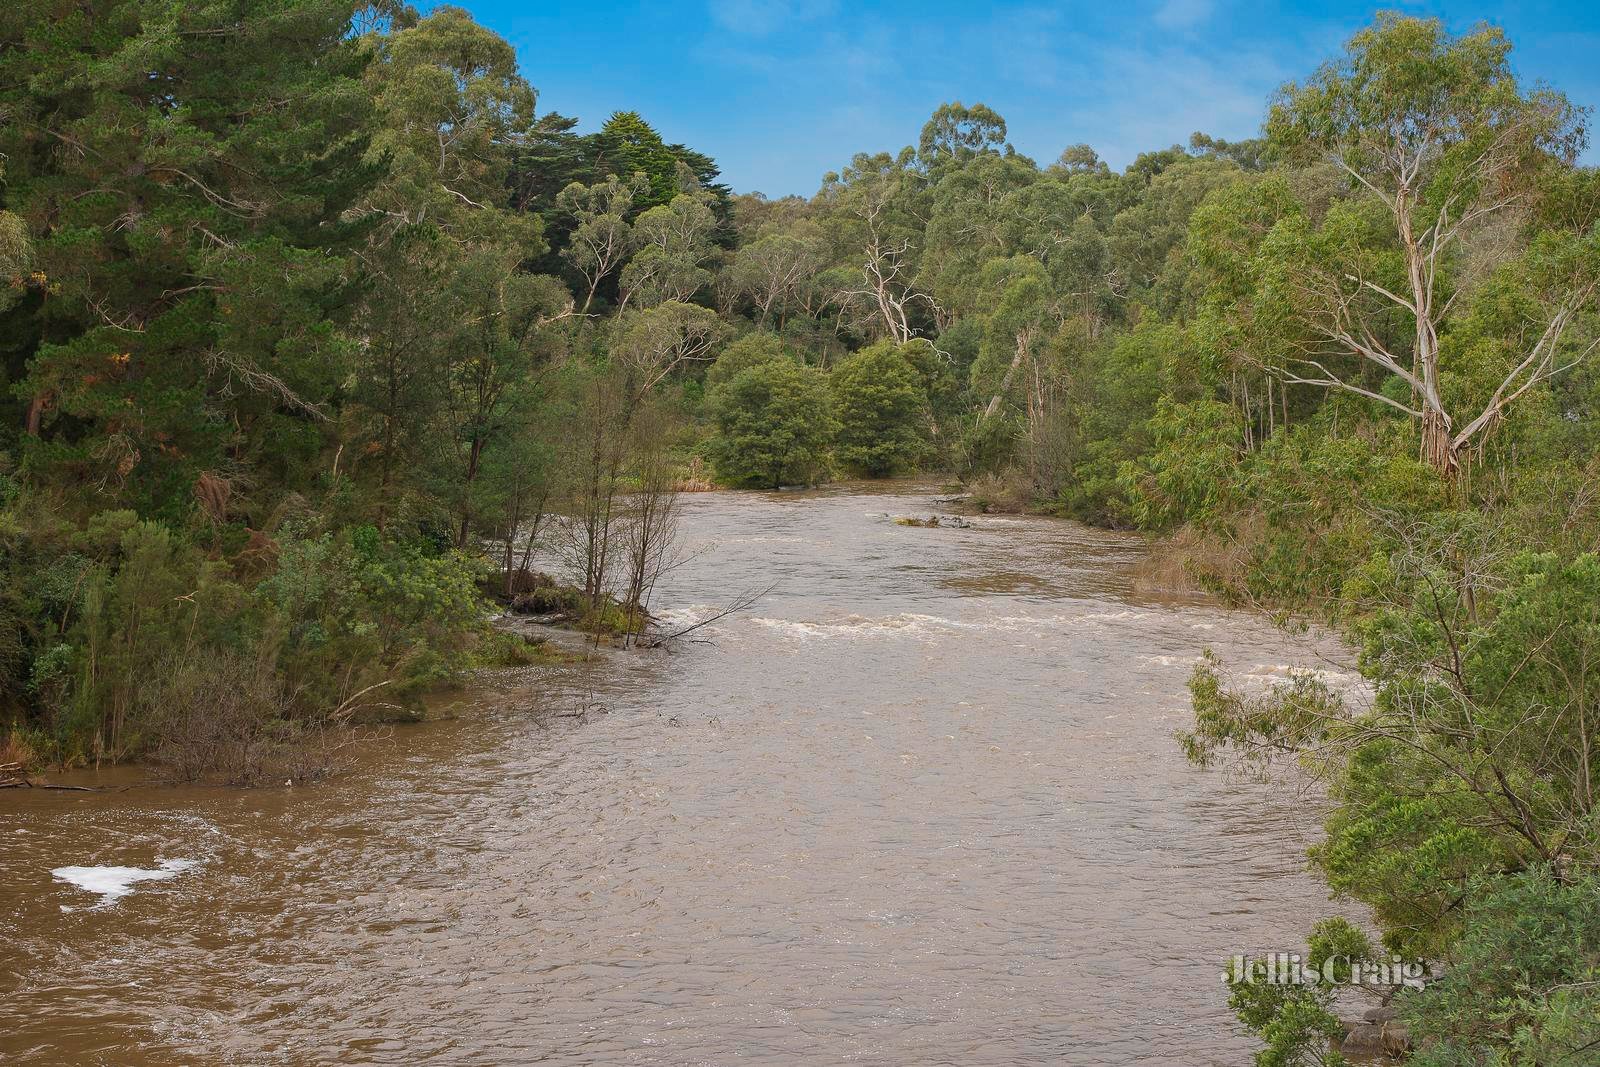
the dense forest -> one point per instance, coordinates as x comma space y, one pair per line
313, 326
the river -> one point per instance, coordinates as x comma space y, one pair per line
920, 805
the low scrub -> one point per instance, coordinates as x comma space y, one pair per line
137, 643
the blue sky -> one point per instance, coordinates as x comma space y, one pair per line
781, 91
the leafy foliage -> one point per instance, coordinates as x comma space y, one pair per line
882, 408
1524, 987
304, 319
774, 424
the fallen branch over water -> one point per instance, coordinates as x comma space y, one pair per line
15, 776
24, 783
743, 602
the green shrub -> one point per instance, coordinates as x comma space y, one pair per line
357, 610
1192, 469
1523, 985
774, 424
880, 400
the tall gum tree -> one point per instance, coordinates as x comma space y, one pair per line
449, 315
1436, 130
878, 202
602, 237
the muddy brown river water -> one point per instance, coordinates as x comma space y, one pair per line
921, 805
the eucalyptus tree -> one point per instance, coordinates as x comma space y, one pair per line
1249, 154
603, 237
1062, 221
453, 328
956, 134
1146, 238
673, 240
498, 343
878, 206
1080, 159
1021, 305
1234, 316
1438, 135
970, 217
450, 107
653, 343
778, 270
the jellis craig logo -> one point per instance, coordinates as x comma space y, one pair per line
1290, 968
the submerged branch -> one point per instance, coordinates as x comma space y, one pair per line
743, 602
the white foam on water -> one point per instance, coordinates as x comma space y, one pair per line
1125, 615
687, 613
918, 625
114, 883
1290, 671
768, 540
1173, 661
856, 626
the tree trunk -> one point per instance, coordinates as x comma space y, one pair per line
1005, 383
36, 409
533, 531
473, 456
511, 541
1438, 450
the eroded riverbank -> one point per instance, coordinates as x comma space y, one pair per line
921, 805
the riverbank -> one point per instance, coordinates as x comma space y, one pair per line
932, 768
